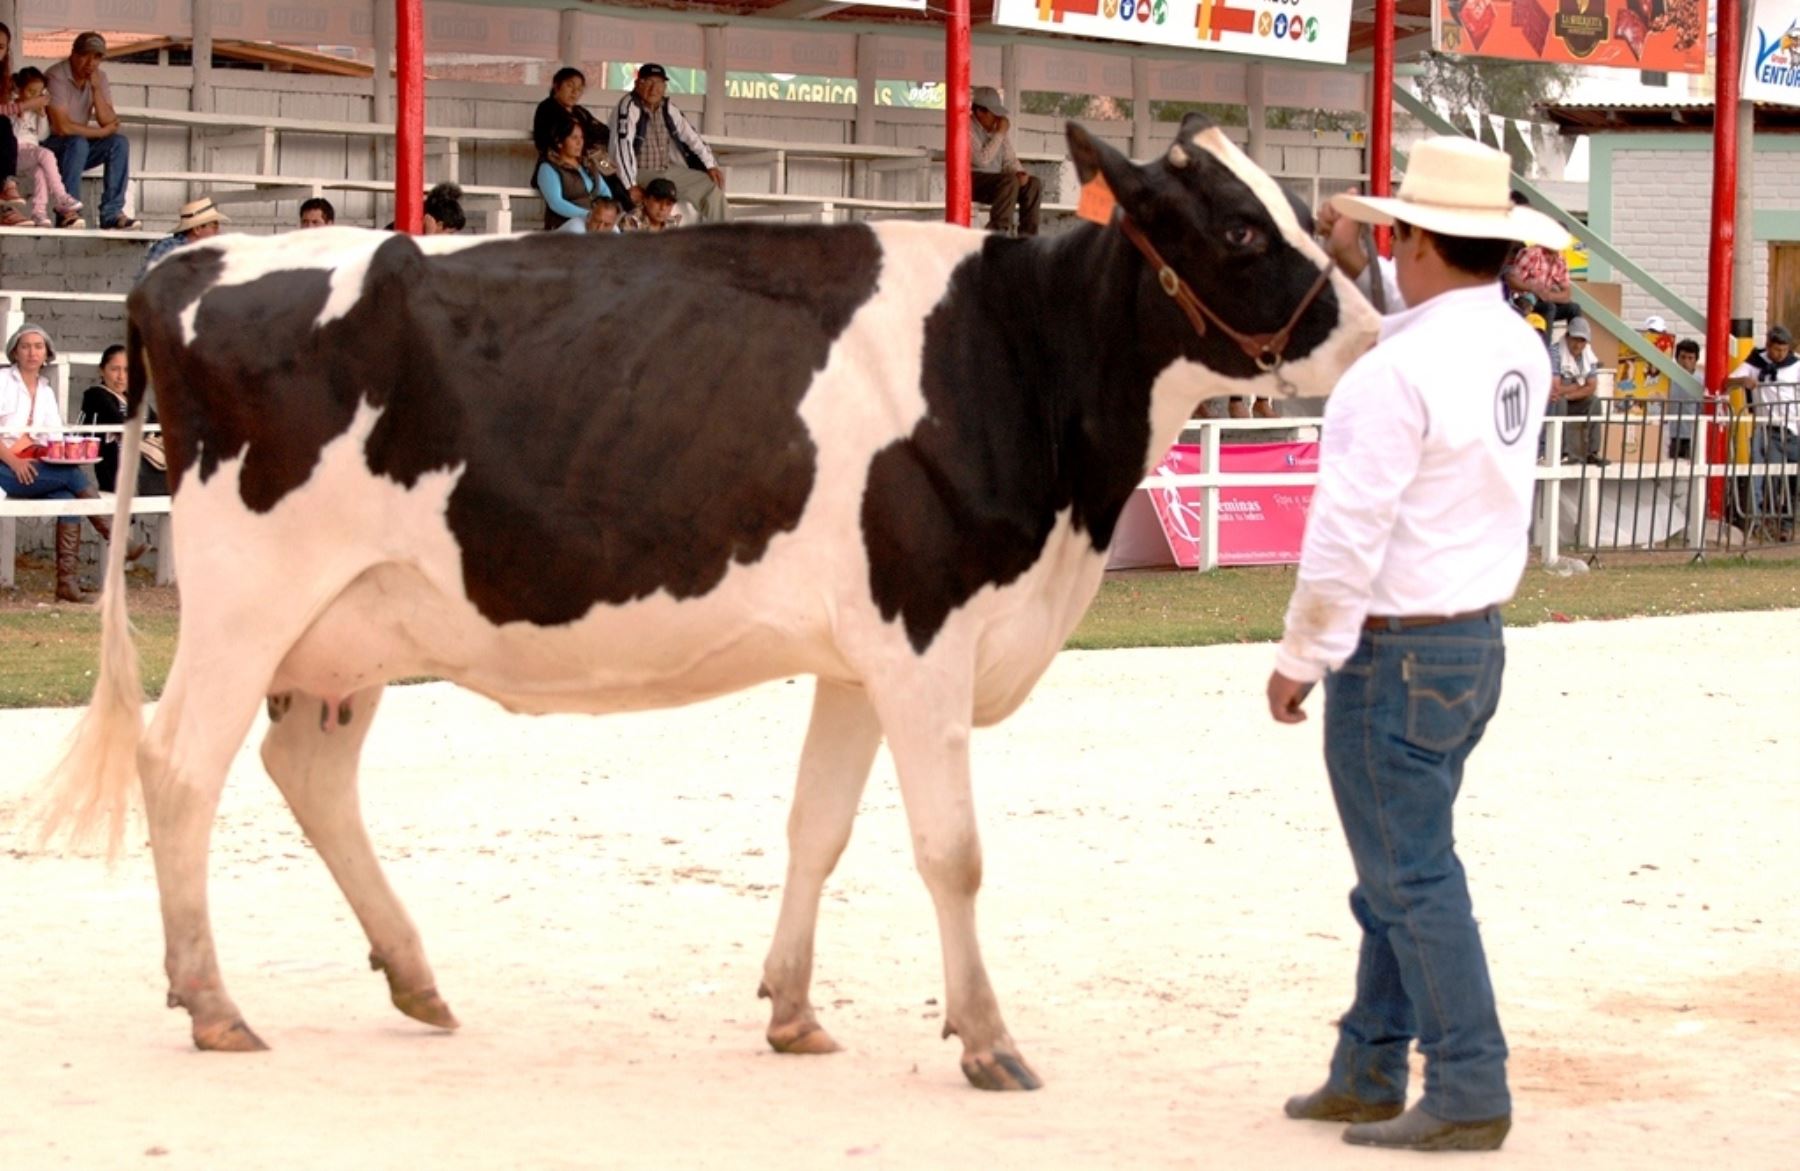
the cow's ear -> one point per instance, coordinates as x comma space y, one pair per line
1093, 157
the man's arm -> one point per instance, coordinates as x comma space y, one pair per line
1374, 438
987, 149
106, 118
624, 151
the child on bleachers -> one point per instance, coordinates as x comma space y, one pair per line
46, 180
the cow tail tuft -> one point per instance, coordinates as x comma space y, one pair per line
90, 793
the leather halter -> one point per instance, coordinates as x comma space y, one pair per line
1265, 349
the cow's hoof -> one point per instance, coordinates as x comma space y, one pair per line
803, 1037
428, 1008
227, 1037
999, 1070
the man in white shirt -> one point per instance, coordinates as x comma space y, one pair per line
998, 179
1771, 378
1416, 535
1574, 380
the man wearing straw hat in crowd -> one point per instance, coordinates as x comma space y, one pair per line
199, 220
1416, 535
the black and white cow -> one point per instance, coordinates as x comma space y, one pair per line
596, 474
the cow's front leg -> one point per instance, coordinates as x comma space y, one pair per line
928, 724
840, 749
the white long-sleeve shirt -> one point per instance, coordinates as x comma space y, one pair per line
22, 413
1425, 478
991, 153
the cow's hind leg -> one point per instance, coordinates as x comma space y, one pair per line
311, 753
928, 721
840, 748
199, 724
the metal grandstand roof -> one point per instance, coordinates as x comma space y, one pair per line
1686, 115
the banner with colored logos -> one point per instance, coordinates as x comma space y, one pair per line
1772, 53
1292, 30
1667, 36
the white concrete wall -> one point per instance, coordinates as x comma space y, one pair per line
1661, 216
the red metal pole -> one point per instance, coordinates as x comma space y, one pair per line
1381, 111
1719, 351
957, 182
1719, 358
409, 131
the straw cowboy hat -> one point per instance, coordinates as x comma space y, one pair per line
198, 214
1457, 187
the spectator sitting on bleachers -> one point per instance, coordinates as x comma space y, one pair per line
29, 418
565, 102
564, 181
12, 206
999, 179
87, 128
656, 211
199, 220
443, 211
29, 128
104, 406
656, 141
317, 212
604, 215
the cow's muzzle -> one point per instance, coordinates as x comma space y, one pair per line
1267, 350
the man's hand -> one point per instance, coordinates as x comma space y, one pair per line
637, 194
1002, 125
717, 176
1342, 239
1285, 697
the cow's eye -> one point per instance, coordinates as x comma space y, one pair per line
1244, 236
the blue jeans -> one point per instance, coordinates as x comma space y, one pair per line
75, 154
1773, 445
53, 482
1401, 717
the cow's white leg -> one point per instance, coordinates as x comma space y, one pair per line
311, 753
840, 748
199, 724
928, 721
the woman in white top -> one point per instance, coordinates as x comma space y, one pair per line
29, 416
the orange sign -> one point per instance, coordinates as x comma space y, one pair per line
1664, 35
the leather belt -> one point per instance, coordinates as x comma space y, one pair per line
1414, 621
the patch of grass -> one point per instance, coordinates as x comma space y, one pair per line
47, 655
1247, 605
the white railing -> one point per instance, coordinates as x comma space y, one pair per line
1687, 481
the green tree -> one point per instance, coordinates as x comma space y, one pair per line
1488, 85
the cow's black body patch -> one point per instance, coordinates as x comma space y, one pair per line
1030, 411
625, 408
1038, 369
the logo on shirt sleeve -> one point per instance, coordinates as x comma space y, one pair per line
1509, 407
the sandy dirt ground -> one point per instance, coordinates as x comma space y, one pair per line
1164, 918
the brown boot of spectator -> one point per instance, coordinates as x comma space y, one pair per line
103, 526
68, 564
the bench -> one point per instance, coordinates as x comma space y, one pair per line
12, 510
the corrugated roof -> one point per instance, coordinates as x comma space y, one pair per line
1677, 115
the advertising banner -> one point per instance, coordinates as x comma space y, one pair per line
1772, 54
1257, 526
1667, 36
1292, 30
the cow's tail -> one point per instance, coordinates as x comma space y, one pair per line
90, 794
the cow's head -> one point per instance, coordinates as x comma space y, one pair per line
1246, 252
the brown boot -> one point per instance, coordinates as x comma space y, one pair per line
68, 563
103, 526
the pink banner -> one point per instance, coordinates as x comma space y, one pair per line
1257, 526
